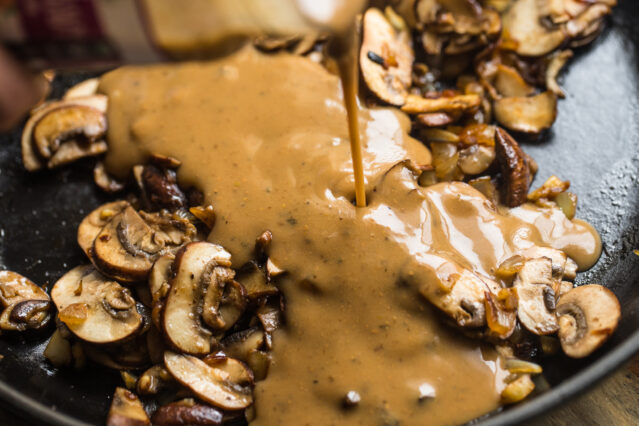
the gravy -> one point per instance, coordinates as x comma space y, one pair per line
265, 138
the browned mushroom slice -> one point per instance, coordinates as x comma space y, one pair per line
26, 315
255, 281
523, 25
159, 285
161, 188
49, 128
94, 308
527, 114
514, 169
509, 83
587, 22
556, 63
67, 122
82, 89
588, 315
386, 58
15, 288
126, 410
179, 413
517, 390
210, 384
129, 243
534, 285
93, 223
205, 214
154, 380
271, 319
73, 150
105, 181
501, 312
224, 300
419, 105
435, 119
182, 323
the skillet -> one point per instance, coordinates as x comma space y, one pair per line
594, 143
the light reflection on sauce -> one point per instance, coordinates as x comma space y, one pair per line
265, 138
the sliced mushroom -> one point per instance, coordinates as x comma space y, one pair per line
15, 288
556, 63
130, 242
239, 345
588, 315
93, 223
534, 285
255, 281
386, 58
194, 266
58, 350
205, 214
105, 181
26, 315
84, 88
73, 150
180, 414
509, 83
94, 308
527, 114
514, 167
159, 285
501, 312
211, 384
65, 123
161, 188
126, 410
57, 121
419, 105
154, 380
522, 23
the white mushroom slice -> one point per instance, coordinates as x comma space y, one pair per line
588, 315
237, 370
416, 104
15, 288
94, 308
65, 123
182, 309
523, 25
386, 58
126, 410
557, 61
30, 157
534, 284
93, 223
82, 89
224, 298
527, 114
510, 83
212, 385
127, 246
240, 345
73, 150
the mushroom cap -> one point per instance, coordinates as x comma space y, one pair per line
182, 321
94, 308
588, 315
391, 78
211, 384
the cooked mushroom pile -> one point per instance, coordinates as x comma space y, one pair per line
190, 335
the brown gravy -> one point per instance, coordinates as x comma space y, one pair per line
265, 138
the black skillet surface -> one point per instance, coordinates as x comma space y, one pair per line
594, 143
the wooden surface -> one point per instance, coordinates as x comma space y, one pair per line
614, 402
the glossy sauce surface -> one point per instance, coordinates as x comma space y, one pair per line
266, 139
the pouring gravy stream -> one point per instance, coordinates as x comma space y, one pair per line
265, 138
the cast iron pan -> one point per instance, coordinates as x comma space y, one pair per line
594, 143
